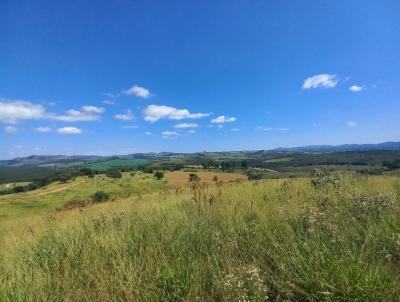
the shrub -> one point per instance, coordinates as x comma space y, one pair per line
159, 175
100, 196
193, 177
114, 173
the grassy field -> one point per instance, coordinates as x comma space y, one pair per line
336, 238
179, 179
116, 163
46, 199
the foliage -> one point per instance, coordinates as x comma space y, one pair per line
159, 175
100, 196
114, 173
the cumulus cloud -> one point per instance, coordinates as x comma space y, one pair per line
11, 111
69, 130
147, 133
168, 134
351, 124
320, 81
86, 114
186, 125
43, 129
223, 119
138, 91
153, 113
356, 88
10, 129
127, 116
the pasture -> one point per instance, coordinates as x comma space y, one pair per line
330, 238
116, 163
48, 198
179, 179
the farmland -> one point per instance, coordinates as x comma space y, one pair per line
115, 163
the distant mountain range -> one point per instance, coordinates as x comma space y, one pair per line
392, 146
53, 160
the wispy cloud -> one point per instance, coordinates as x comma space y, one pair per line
10, 129
351, 124
324, 80
272, 128
138, 91
109, 102
169, 134
148, 133
223, 119
356, 88
43, 129
153, 113
235, 129
85, 114
186, 125
69, 130
127, 116
130, 127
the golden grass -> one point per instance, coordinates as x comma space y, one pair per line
178, 179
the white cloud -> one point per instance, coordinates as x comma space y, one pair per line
147, 133
130, 126
223, 119
192, 131
93, 109
321, 80
138, 91
168, 134
154, 113
235, 129
272, 129
356, 88
108, 102
86, 114
186, 125
11, 111
43, 129
10, 129
128, 116
69, 130
351, 124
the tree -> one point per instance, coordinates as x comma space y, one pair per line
244, 164
100, 196
215, 178
159, 175
114, 173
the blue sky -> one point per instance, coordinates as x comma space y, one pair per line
117, 77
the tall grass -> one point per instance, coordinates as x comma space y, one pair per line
259, 241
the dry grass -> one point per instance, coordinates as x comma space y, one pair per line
179, 179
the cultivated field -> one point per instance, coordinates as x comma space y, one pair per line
179, 179
330, 238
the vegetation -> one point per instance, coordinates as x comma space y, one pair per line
159, 175
116, 163
333, 237
100, 196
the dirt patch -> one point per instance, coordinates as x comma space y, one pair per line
178, 179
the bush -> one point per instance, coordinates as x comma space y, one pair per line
193, 177
159, 175
114, 173
100, 196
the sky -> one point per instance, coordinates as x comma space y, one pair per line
120, 77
